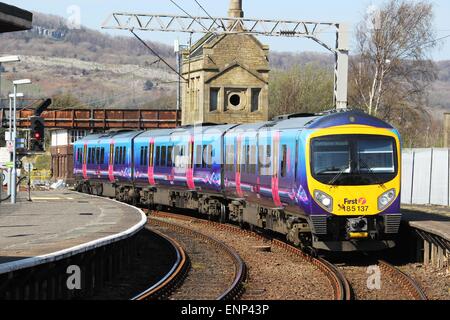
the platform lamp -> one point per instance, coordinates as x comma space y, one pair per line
11, 97
6, 59
16, 83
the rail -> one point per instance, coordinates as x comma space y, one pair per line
234, 290
173, 278
341, 287
408, 283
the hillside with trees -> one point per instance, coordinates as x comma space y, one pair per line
88, 69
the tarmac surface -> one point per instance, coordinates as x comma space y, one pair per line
59, 220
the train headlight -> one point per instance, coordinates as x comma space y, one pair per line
324, 200
386, 199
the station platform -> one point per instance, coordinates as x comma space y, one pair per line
431, 219
432, 224
59, 224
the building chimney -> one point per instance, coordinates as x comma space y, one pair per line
235, 12
235, 9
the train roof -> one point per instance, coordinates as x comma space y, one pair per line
250, 127
328, 119
347, 117
294, 123
116, 135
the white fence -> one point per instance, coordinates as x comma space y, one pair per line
425, 176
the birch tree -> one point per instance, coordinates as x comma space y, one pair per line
392, 59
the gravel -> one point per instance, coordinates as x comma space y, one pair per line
435, 282
273, 275
362, 280
211, 271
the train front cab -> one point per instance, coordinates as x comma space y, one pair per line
354, 182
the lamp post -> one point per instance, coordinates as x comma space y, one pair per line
16, 83
11, 96
6, 59
178, 48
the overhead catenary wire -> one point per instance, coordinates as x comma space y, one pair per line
207, 13
157, 55
187, 13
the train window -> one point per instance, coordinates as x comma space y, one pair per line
176, 152
169, 156
90, 155
102, 156
252, 165
209, 156
146, 156
158, 156
283, 160
116, 157
204, 156
163, 156
97, 155
265, 153
91, 158
247, 158
198, 156
124, 155
229, 163
242, 158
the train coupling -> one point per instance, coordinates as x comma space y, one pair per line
357, 228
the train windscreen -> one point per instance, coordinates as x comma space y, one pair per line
353, 159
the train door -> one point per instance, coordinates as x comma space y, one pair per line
265, 168
286, 166
239, 159
151, 162
111, 163
276, 169
190, 166
85, 148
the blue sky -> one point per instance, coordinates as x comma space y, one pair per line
94, 12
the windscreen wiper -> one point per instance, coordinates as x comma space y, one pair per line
378, 179
340, 173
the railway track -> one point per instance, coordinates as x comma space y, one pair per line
173, 278
393, 284
406, 282
209, 262
341, 287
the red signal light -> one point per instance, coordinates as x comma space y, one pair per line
37, 135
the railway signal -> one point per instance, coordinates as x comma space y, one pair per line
37, 129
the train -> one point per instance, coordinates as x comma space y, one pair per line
328, 181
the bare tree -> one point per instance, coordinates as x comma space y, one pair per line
392, 65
